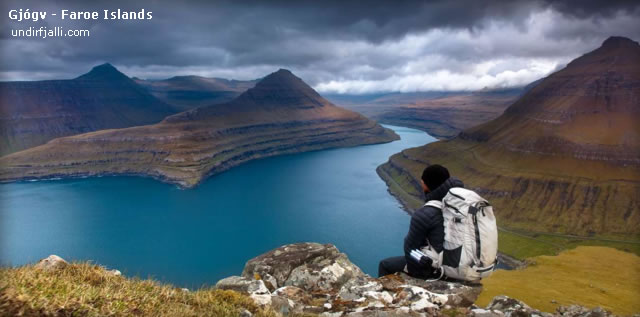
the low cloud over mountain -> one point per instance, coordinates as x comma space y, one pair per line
339, 47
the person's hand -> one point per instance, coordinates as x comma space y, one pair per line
421, 258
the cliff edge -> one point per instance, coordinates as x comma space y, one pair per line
302, 279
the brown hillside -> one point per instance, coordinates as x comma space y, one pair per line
281, 114
188, 92
34, 112
565, 157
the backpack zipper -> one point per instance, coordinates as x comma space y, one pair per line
452, 194
452, 207
477, 229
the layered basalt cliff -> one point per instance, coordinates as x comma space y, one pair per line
280, 115
34, 112
563, 158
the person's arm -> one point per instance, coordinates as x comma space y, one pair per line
416, 237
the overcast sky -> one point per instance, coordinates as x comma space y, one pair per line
362, 47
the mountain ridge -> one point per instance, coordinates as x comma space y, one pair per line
34, 112
191, 91
187, 147
563, 158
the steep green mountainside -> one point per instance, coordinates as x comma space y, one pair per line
564, 158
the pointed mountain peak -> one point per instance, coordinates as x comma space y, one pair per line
617, 53
283, 77
282, 89
283, 72
104, 71
619, 41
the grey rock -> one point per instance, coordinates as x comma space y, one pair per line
418, 298
310, 266
243, 285
261, 299
386, 313
356, 287
296, 294
284, 305
479, 312
459, 294
51, 263
270, 282
245, 313
114, 272
318, 279
512, 307
580, 311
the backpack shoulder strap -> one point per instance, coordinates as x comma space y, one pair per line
434, 203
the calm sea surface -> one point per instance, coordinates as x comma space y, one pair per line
196, 237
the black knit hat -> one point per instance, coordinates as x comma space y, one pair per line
434, 176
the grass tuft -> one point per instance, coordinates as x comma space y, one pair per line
84, 289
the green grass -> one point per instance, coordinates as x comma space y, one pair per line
82, 289
523, 245
589, 276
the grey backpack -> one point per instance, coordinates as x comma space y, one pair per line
470, 236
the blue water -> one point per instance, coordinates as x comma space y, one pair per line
195, 237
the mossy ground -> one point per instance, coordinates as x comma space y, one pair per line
523, 244
83, 289
587, 275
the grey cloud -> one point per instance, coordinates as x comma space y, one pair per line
321, 41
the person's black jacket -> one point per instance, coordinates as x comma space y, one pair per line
427, 224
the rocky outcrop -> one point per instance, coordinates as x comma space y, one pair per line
319, 279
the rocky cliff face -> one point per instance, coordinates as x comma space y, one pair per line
563, 158
280, 115
32, 113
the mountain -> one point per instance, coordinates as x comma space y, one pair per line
280, 115
34, 112
441, 114
188, 92
565, 157
446, 116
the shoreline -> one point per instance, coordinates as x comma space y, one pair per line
182, 184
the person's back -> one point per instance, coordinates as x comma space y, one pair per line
426, 226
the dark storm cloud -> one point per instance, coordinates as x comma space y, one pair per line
357, 43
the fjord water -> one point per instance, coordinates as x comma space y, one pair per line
196, 237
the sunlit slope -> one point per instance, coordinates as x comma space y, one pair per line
579, 276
